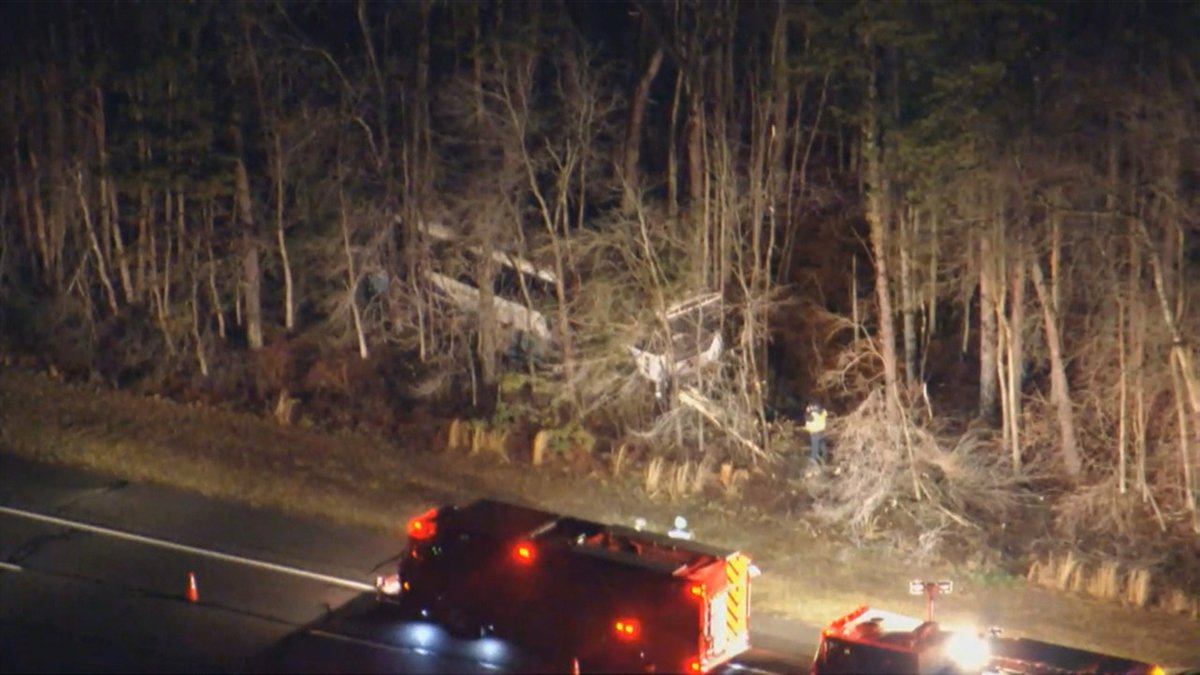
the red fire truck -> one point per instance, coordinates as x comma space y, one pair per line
868, 641
599, 596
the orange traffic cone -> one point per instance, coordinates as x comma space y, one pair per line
193, 594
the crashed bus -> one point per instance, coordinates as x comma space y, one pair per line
524, 295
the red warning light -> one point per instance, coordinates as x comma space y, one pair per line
423, 526
693, 666
628, 629
696, 590
524, 553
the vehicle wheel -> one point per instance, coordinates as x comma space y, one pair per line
459, 623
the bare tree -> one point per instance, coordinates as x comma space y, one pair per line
1060, 391
251, 273
879, 221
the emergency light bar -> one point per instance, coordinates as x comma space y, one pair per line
423, 526
918, 587
930, 589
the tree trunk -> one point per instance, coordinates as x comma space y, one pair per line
931, 300
673, 150
39, 220
1060, 392
878, 219
1185, 438
488, 331
352, 286
143, 206
160, 291
218, 308
271, 135
1179, 349
694, 133
289, 292
1122, 396
1016, 354
251, 274
1187, 385
110, 233
987, 327
197, 336
110, 293
633, 136
908, 224
1137, 358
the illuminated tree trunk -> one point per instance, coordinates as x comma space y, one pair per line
1060, 391
878, 219
1186, 384
1016, 354
110, 293
908, 301
987, 326
251, 274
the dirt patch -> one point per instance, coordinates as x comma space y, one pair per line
361, 479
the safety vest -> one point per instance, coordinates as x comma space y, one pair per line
815, 422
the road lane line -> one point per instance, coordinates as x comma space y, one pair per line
359, 641
163, 543
406, 650
10, 567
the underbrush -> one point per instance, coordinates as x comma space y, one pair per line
923, 488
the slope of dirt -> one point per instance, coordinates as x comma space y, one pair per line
378, 482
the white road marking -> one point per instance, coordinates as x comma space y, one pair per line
372, 644
9, 567
359, 641
163, 543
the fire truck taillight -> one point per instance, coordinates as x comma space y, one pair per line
423, 526
696, 590
693, 666
628, 629
524, 553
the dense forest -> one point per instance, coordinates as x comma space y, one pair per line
968, 229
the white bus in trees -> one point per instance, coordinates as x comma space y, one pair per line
525, 295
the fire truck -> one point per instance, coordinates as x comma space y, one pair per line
868, 640
600, 597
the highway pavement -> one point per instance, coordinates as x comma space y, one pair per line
94, 578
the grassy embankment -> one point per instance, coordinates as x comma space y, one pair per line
377, 483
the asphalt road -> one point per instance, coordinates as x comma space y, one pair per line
94, 576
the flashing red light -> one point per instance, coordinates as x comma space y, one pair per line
628, 629
524, 553
423, 526
696, 590
838, 624
693, 666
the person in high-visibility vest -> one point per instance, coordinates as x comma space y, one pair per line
814, 424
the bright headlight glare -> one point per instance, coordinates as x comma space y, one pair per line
490, 650
420, 634
968, 651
